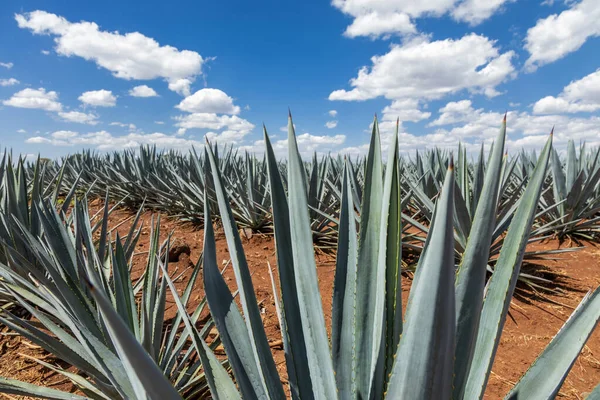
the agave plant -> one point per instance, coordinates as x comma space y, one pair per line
571, 210
445, 346
467, 194
94, 318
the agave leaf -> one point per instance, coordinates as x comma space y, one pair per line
390, 255
470, 281
344, 295
546, 375
219, 381
255, 329
571, 165
137, 362
502, 284
370, 280
559, 185
296, 355
425, 357
309, 297
230, 323
13, 386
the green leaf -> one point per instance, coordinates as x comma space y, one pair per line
546, 375
136, 360
296, 354
470, 281
370, 281
13, 386
305, 274
255, 329
343, 320
219, 381
425, 357
503, 281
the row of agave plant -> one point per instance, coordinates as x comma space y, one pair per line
72, 275
170, 182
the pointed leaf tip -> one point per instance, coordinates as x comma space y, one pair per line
451, 163
552, 132
504, 119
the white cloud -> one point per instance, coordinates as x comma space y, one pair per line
181, 86
7, 65
215, 122
452, 112
79, 117
375, 24
21, 131
331, 124
407, 110
104, 140
127, 56
474, 126
143, 91
376, 18
64, 134
45, 52
131, 127
9, 82
307, 145
556, 36
432, 70
332, 113
582, 95
159, 122
475, 12
98, 98
209, 101
35, 98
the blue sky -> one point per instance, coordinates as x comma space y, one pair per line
110, 75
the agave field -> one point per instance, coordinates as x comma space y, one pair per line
149, 274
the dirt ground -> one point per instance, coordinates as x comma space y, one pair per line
534, 320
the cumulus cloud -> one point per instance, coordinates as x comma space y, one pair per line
375, 25
431, 70
103, 140
127, 56
21, 131
462, 121
98, 98
555, 36
9, 82
475, 12
332, 113
214, 122
35, 98
131, 127
331, 124
79, 117
381, 18
7, 65
307, 145
209, 101
181, 86
582, 95
143, 91
406, 110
